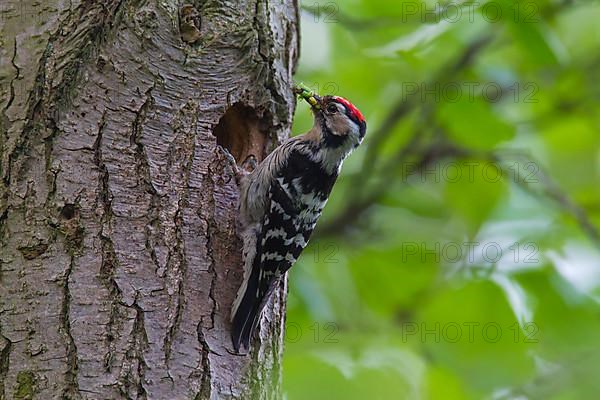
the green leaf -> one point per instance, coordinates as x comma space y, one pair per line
474, 191
472, 123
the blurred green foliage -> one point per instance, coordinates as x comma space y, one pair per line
459, 256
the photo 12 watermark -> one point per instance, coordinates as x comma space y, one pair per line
454, 12
469, 332
425, 332
525, 12
316, 332
324, 12
470, 91
460, 252
470, 172
447, 252
325, 252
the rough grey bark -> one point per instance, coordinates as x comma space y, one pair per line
119, 257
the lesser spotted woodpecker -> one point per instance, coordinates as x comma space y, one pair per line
282, 199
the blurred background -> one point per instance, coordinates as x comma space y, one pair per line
459, 254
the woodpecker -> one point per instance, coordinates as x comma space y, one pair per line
282, 199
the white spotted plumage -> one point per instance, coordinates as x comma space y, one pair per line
281, 201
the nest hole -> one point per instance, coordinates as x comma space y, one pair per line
242, 133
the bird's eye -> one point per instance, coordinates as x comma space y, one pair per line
332, 109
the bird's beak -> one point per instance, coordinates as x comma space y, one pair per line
314, 101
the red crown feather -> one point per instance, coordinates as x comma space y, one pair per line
349, 106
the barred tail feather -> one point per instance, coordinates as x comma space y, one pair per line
246, 315
250, 304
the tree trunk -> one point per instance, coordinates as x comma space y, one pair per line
119, 253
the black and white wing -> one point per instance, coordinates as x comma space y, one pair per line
296, 197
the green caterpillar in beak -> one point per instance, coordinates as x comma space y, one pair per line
307, 94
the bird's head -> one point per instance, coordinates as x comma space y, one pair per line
340, 121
